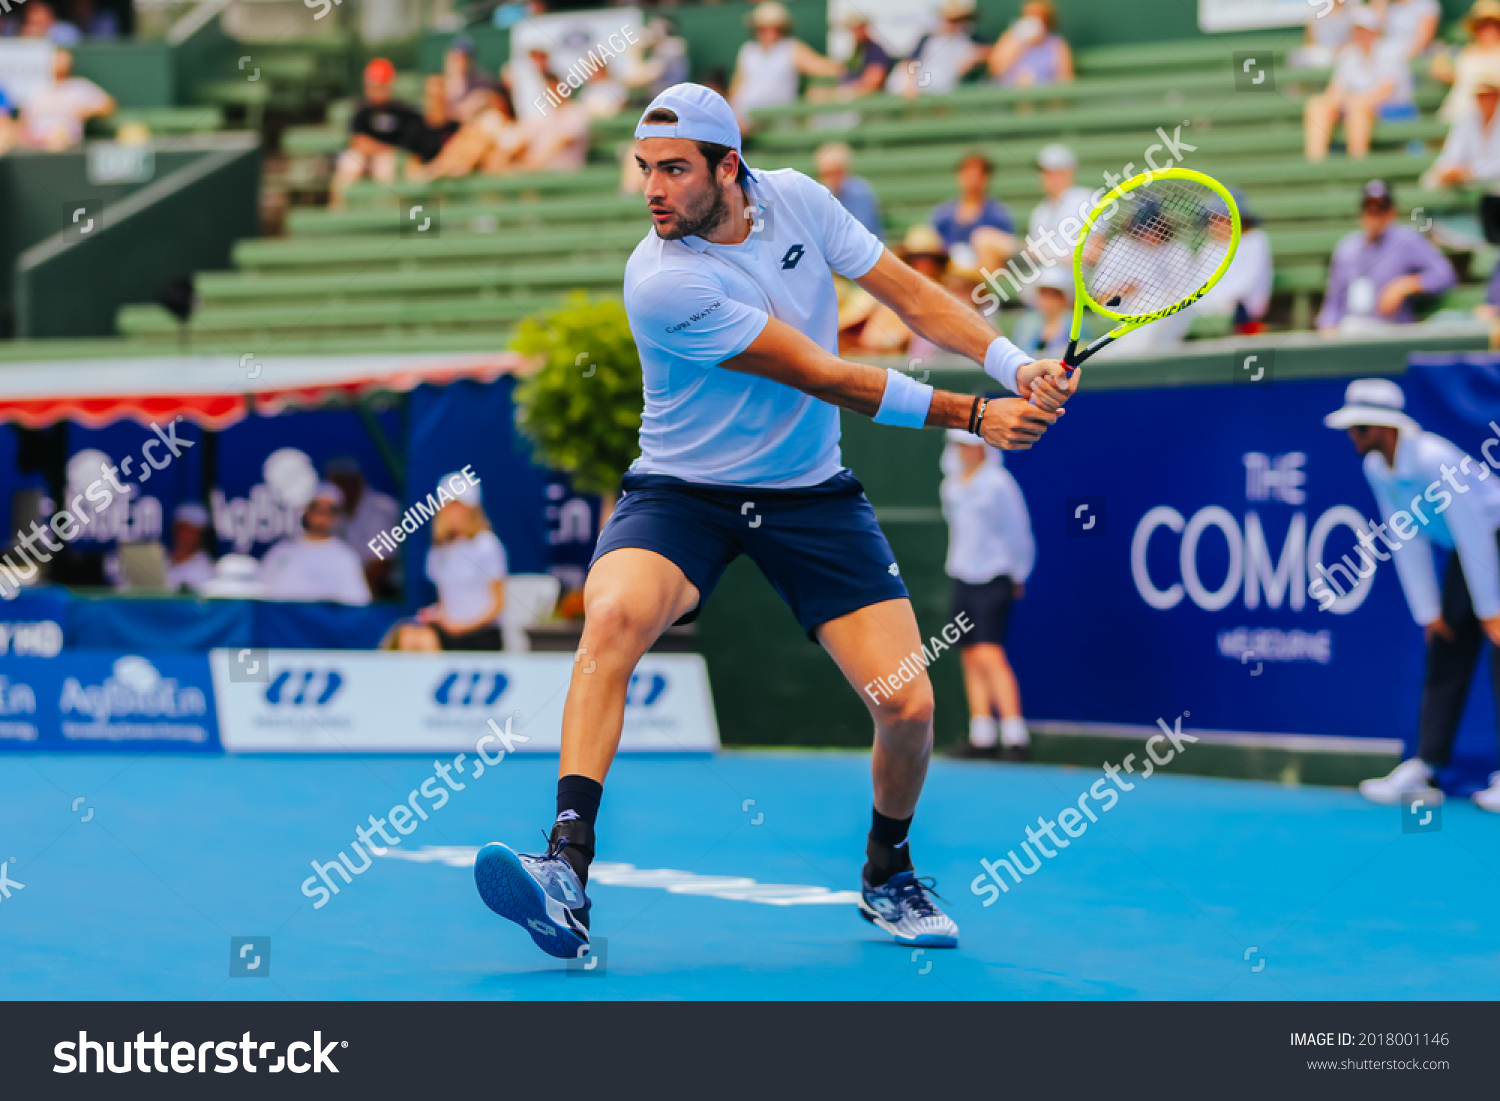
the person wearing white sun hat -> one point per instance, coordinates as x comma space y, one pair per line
1430, 494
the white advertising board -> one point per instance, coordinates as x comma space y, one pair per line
359, 701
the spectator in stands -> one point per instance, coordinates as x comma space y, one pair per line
942, 59
316, 565
188, 565
603, 96
976, 227
1043, 331
1031, 52
53, 117
1376, 271
833, 162
1057, 220
767, 69
1329, 29
380, 131
866, 69
991, 551
1244, 293
412, 637
461, 79
366, 513
1370, 78
467, 564
40, 21
868, 325
491, 141
1479, 60
1471, 153
93, 23
661, 59
1409, 24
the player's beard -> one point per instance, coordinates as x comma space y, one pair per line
700, 219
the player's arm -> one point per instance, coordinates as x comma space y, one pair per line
930, 310
787, 356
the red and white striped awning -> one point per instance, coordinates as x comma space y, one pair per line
217, 391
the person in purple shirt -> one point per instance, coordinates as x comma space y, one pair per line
1375, 272
976, 227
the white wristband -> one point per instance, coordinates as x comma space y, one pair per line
1002, 360
905, 402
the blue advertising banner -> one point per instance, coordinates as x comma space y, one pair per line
94, 700
1178, 532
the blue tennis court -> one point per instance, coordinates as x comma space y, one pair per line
722, 878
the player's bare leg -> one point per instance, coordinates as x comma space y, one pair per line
869, 643
630, 598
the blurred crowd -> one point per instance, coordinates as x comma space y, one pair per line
474, 121
338, 556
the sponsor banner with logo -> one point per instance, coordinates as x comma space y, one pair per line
98, 700
335, 701
1178, 535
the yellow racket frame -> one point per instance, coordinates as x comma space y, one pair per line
1131, 322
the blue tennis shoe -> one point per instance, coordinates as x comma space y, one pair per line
903, 907
542, 894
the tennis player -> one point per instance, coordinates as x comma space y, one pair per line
731, 301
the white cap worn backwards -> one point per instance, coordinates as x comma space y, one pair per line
702, 115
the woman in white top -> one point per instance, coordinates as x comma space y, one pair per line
990, 555
467, 564
768, 67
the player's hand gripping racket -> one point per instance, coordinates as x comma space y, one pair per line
1152, 247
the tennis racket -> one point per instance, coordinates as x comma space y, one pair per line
1152, 247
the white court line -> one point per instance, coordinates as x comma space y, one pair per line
734, 888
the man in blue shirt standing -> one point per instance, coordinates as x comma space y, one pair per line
732, 305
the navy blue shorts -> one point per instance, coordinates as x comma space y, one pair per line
820, 548
986, 606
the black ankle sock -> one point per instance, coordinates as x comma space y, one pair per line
577, 808
578, 798
887, 849
883, 861
890, 832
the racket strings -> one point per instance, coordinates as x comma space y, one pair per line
1159, 246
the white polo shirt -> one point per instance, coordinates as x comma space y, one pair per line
989, 529
693, 304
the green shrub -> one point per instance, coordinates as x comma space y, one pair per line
582, 409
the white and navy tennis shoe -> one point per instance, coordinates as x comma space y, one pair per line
903, 907
542, 894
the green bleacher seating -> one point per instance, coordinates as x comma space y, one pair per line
512, 245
